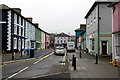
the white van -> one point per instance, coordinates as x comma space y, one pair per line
70, 46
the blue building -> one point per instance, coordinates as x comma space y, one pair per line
78, 32
29, 35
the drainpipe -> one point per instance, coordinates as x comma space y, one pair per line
98, 38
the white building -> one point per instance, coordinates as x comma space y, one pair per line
62, 39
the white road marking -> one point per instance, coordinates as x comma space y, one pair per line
64, 59
16, 73
43, 58
46, 75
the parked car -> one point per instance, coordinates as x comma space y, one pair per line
59, 50
71, 46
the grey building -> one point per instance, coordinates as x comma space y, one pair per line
99, 28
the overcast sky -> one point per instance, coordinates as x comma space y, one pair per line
53, 15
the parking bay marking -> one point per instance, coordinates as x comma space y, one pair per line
17, 73
43, 58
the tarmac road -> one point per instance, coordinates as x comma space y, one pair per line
48, 65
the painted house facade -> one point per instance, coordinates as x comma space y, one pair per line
29, 35
18, 32
13, 30
47, 40
38, 36
62, 39
116, 31
99, 21
82, 40
42, 39
78, 35
52, 40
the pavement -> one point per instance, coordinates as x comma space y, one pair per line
7, 58
86, 69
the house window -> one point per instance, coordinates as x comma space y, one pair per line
88, 25
15, 18
15, 43
94, 19
117, 37
19, 48
15, 29
61, 41
64, 41
91, 23
22, 43
19, 30
20, 21
93, 44
58, 41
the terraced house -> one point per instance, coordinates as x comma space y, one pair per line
13, 30
18, 32
99, 28
38, 36
116, 31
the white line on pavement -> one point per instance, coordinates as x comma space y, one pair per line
43, 58
16, 73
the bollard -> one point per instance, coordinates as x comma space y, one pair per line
74, 63
12, 55
96, 59
80, 53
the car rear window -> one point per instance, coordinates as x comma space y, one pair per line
59, 48
70, 45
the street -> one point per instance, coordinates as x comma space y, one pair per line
45, 66
55, 67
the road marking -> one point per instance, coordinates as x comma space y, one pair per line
64, 59
46, 75
17, 73
19, 61
43, 58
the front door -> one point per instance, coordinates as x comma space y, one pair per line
104, 47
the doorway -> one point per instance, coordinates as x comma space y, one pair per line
104, 47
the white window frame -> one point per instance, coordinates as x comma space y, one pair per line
15, 43
20, 30
22, 43
15, 29
19, 44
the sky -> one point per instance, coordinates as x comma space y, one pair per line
54, 16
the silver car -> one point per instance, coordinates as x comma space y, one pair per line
59, 51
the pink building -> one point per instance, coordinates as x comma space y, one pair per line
116, 31
47, 41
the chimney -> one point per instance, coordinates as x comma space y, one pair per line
3, 6
36, 24
18, 10
29, 18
